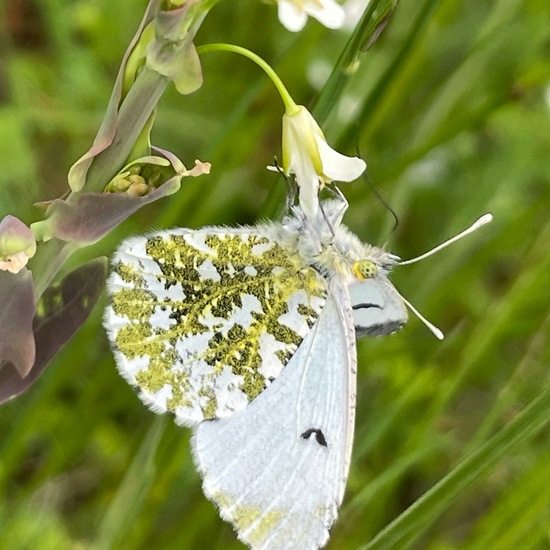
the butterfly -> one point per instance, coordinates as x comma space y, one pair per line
248, 336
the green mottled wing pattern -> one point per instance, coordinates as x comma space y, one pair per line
203, 321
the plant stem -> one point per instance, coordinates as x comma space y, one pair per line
290, 105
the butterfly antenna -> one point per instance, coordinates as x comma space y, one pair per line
335, 190
381, 198
485, 219
431, 327
377, 192
326, 218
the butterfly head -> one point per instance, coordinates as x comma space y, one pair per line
364, 269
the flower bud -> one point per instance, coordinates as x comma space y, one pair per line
17, 244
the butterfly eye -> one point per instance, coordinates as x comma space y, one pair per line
364, 269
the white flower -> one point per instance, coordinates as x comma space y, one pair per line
354, 10
14, 263
308, 156
17, 244
293, 13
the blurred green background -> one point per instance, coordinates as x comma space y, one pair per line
451, 110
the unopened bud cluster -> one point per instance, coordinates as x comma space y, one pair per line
133, 183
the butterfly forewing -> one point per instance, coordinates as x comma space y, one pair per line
277, 469
203, 321
377, 307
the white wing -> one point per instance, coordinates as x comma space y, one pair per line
378, 308
277, 470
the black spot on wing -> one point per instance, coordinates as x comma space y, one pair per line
365, 306
319, 436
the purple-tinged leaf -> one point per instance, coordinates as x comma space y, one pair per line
63, 308
85, 217
90, 216
16, 318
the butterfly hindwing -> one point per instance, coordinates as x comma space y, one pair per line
277, 469
203, 321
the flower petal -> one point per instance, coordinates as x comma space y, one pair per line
327, 12
16, 237
17, 244
291, 17
339, 167
14, 263
311, 160
308, 183
308, 196
300, 134
199, 169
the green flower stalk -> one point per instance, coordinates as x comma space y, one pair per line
307, 157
